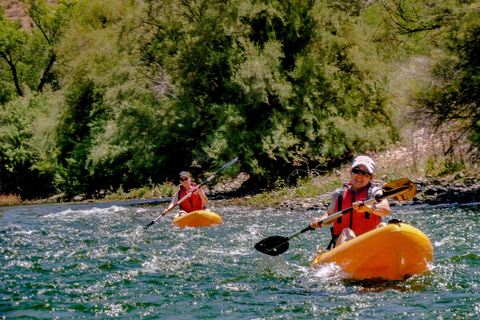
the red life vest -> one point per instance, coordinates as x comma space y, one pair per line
359, 222
193, 202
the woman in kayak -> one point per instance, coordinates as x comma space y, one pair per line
196, 200
364, 218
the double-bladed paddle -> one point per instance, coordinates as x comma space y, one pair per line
191, 191
401, 189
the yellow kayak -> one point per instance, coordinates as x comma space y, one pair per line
199, 218
394, 252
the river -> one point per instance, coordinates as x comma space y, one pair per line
95, 261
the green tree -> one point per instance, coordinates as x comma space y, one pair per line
29, 54
105, 90
49, 22
12, 44
195, 47
27, 147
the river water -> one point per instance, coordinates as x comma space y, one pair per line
95, 261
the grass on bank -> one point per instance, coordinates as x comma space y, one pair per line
10, 200
151, 191
307, 188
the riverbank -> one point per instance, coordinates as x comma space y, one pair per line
432, 191
313, 194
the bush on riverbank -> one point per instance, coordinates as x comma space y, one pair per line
10, 200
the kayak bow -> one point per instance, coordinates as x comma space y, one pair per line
195, 219
393, 252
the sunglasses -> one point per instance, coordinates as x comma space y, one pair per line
183, 179
364, 173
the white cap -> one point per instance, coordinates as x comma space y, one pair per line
366, 161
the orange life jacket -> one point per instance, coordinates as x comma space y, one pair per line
193, 202
359, 222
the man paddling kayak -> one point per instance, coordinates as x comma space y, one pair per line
363, 218
197, 199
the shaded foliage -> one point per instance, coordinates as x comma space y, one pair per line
22, 149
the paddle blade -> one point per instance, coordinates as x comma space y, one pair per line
228, 164
406, 189
273, 246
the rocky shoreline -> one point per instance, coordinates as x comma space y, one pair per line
430, 191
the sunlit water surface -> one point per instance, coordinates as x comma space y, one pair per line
96, 261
